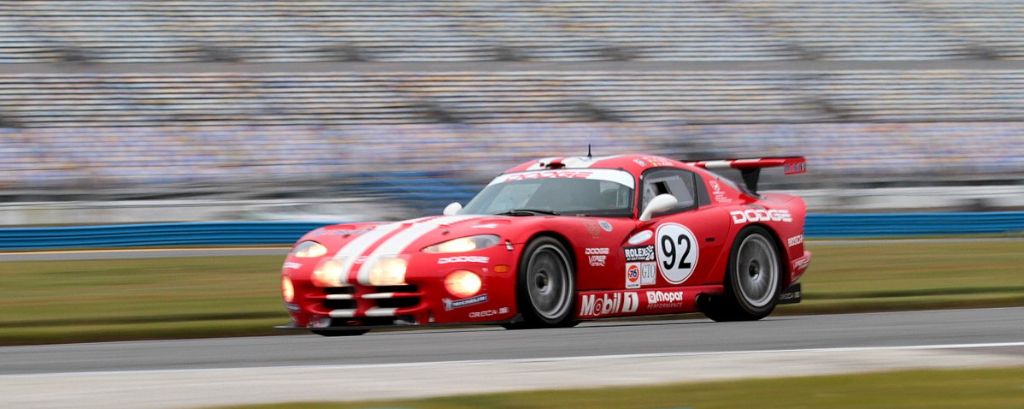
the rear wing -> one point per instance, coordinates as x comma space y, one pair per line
750, 169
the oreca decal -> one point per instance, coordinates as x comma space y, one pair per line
677, 252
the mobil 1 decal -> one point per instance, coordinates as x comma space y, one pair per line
677, 252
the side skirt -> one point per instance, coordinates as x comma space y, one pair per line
642, 301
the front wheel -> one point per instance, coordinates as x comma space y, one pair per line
545, 286
752, 282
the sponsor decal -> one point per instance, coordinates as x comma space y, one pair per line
488, 313
605, 225
596, 255
677, 252
657, 161
464, 259
801, 263
760, 215
596, 305
549, 174
642, 253
610, 175
718, 193
639, 162
593, 229
640, 274
795, 240
648, 273
663, 297
632, 276
641, 237
450, 304
657, 300
291, 265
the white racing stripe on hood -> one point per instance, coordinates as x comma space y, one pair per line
355, 248
397, 243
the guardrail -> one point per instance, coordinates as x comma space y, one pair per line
284, 233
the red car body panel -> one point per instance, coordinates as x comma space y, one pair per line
618, 266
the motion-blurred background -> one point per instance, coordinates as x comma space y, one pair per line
141, 111
232, 123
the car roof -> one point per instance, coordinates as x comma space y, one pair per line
632, 163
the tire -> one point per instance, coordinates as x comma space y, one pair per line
753, 280
545, 286
340, 332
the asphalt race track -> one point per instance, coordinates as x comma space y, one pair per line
486, 342
194, 373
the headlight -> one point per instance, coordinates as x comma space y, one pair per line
328, 273
287, 289
388, 271
464, 244
309, 249
462, 283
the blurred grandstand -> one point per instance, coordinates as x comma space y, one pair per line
421, 101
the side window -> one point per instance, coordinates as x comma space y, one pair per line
676, 182
703, 199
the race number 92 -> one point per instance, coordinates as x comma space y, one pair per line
677, 252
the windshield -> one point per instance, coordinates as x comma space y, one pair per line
596, 192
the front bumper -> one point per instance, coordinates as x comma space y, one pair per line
423, 300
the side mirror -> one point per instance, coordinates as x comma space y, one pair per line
452, 209
661, 203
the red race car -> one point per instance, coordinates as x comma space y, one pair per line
552, 242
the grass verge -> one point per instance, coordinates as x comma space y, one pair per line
97, 300
934, 389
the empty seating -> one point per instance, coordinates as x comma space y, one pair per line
139, 31
400, 158
80, 100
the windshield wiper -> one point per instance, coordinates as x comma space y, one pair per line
526, 212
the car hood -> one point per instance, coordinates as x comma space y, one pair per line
409, 236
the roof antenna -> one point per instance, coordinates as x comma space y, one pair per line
589, 155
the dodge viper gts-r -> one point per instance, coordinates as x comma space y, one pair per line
555, 241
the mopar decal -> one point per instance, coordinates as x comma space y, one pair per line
659, 300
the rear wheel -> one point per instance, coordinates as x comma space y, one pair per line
546, 285
752, 282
